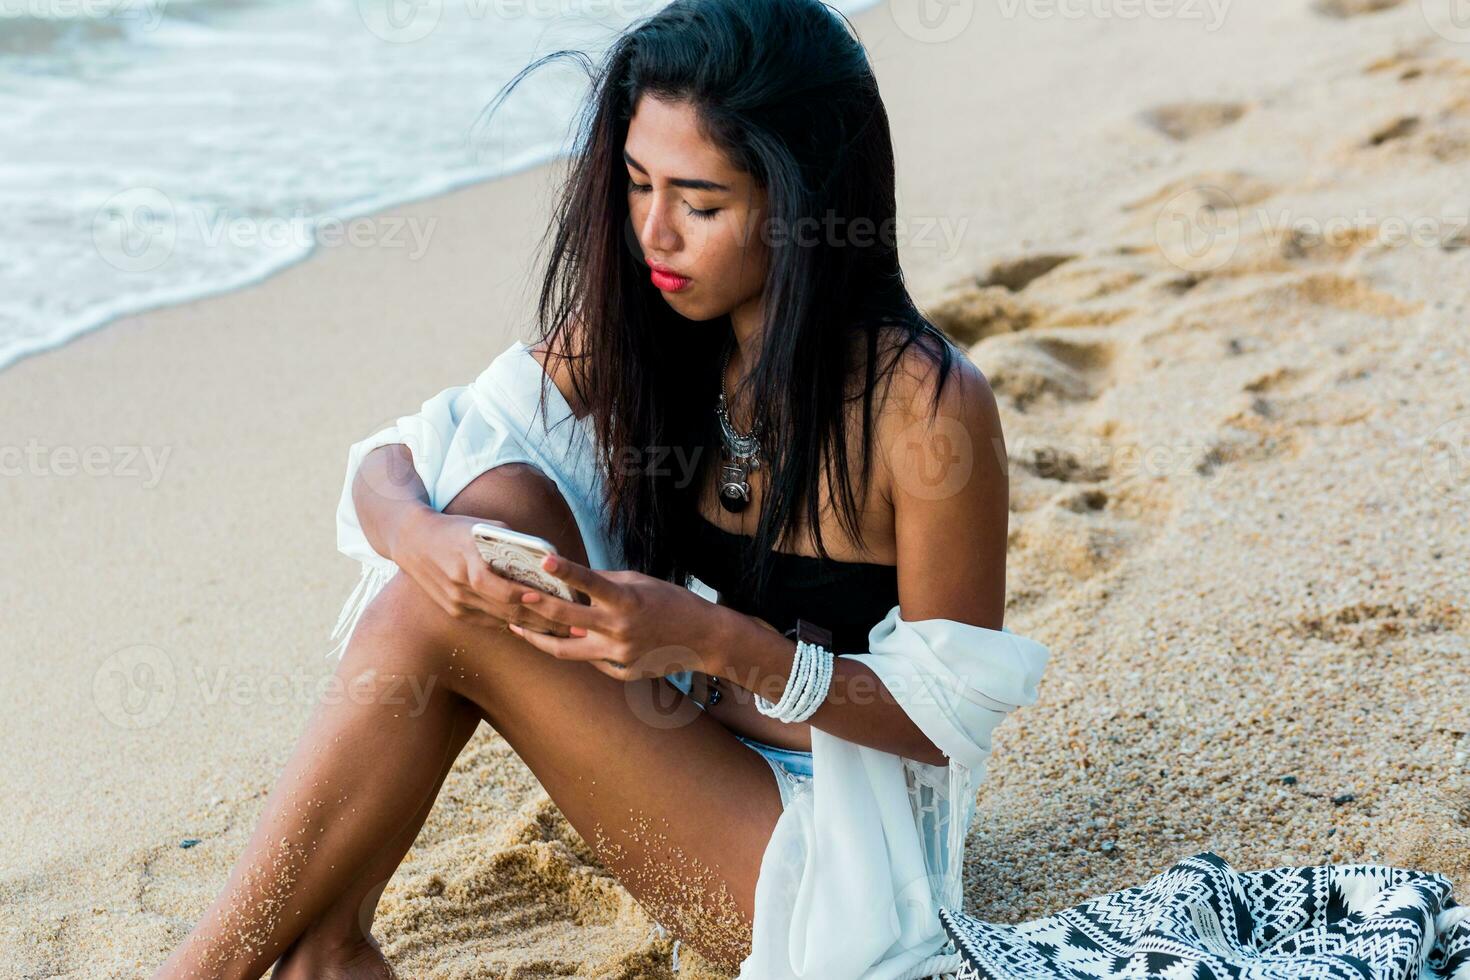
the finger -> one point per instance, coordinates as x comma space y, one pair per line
566, 647
554, 645
580, 576
492, 585
568, 613
484, 592
521, 616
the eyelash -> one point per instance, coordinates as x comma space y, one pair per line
706, 214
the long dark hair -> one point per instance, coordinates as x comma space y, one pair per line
785, 89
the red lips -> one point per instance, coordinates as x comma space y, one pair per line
665, 278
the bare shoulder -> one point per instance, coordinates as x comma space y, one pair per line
558, 368
921, 409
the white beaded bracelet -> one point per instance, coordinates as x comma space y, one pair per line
794, 684
817, 691
806, 686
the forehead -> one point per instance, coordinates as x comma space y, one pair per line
666, 139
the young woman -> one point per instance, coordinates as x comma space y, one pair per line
724, 316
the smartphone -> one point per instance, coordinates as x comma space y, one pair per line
517, 556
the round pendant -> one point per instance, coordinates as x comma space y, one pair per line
734, 497
734, 488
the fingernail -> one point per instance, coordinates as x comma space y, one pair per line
528, 597
514, 627
550, 563
578, 631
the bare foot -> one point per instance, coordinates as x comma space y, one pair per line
363, 960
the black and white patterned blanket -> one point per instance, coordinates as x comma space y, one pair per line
1203, 920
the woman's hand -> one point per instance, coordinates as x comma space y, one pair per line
637, 626
438, 552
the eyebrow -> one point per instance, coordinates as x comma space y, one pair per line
689, 182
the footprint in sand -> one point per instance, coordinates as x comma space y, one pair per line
1400, 128
970, 313
1067, 369
973, 309
1442, 134
1366, 624
1018, 273
1039, 291
1185, 120
1353, 8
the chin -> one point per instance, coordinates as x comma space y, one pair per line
691, 311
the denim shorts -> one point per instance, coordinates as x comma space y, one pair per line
792, 767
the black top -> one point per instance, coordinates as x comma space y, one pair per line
846, 597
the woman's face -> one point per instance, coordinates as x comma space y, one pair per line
693, 213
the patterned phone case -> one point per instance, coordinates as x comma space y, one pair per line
519, 564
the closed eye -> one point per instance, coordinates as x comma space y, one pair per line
706, 213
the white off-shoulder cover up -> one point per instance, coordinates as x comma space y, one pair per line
865, 853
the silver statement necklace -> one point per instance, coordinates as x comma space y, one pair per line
741, 453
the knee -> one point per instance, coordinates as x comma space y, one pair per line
526, 499
402, 630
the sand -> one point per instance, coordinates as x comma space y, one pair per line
1239, 473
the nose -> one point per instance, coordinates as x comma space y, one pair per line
656, 234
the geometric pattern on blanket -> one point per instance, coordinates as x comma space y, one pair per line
1203, 920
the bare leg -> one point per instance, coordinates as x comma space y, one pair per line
355, 780
681, 814
340, 942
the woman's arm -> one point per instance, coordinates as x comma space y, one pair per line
434, 549
388, 494
950, 492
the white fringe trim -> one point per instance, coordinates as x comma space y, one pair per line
369, 584
941, 966
659, 931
